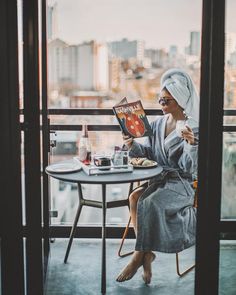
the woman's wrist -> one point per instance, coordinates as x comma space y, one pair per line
129, 145
128, 141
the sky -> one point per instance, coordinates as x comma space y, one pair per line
160, 23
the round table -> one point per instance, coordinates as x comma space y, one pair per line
81, 177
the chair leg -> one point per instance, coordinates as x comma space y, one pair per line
123, 239
178, 268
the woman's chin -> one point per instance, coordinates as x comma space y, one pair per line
165, 111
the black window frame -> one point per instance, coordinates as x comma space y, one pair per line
210, 228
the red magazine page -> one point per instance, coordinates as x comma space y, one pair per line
132, 119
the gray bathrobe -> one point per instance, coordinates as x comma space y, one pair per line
166, 219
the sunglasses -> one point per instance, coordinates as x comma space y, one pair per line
164, 101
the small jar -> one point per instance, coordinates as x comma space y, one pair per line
118, 158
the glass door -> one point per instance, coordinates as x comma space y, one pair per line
227, 269
36, 144
216, 209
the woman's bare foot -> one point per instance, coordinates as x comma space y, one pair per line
129, 271
148, 258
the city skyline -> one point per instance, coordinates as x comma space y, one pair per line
103, 25
86, 20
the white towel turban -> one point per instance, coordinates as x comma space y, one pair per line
181, 87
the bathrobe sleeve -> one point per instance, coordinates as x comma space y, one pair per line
141, 150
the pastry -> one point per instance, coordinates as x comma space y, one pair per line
141, 160
137, 161
147, 162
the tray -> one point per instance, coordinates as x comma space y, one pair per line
95, 170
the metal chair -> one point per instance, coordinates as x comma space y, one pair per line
177, 254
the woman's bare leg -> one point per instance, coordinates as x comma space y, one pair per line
148, 256
137, 259
133, 201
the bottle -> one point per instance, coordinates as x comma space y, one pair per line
85, 146
125, 153
117, 157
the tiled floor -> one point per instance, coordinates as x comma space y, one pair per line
82, 273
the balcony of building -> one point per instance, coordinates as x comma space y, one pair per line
43, 111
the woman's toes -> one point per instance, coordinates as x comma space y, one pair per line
147, 267
120, 278
146, 279
129, 271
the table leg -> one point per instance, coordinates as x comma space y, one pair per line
73, 230
103, 282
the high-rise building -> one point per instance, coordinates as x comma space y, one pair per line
173, 51
114, 72
126, 49
101, 67
73, 57
58, 62
232, 60
83, 66
52, 23
230, 45
195, 43
159, 57
92, 66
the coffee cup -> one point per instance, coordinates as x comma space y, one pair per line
180, 126
101, 162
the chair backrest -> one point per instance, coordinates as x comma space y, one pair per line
195, 184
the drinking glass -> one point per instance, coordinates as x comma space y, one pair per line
180, 126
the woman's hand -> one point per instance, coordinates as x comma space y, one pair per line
188, 135
128, 141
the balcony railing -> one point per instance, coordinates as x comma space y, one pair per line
94, 231
109, 112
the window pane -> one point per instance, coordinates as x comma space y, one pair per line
64, 196
228, 207
99, 52
230, 56
227, 285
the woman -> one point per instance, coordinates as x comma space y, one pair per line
162, 211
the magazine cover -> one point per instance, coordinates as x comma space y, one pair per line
132, 118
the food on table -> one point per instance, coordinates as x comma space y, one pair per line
147, 162
141, 162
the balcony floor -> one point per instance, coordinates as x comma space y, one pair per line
81, 275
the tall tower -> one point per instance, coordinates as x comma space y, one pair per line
92, 66
195, 43
52, 21
126, 49
230, 45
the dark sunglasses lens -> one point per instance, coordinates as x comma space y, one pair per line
162, 101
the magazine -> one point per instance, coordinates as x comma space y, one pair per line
132, 118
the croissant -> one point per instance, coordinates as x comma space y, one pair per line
141, 160
137, 161
147, 162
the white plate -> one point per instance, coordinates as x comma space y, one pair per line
64, 167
